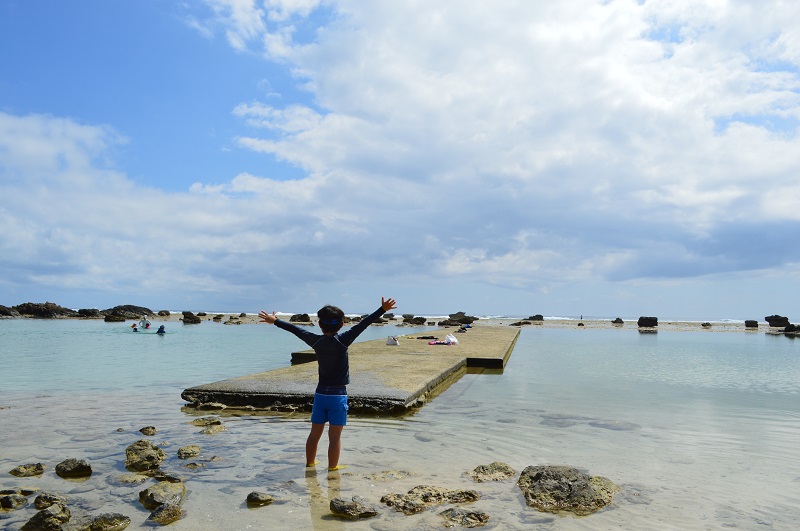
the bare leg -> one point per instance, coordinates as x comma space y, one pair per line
334, 445
313, 441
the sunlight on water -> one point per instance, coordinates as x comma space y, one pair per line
699, 430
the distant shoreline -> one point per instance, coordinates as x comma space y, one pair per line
565, 323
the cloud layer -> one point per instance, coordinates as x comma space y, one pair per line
513, 148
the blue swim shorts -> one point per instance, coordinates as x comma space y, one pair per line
329, 408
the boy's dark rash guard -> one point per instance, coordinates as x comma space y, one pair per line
332, 357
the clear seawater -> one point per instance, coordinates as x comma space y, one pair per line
700, 430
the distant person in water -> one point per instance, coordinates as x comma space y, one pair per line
161, 330
330, 397
135, 327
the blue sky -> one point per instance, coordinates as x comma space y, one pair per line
609, 158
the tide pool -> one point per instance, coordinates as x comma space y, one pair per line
699, 429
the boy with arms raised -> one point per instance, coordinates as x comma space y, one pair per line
330, 397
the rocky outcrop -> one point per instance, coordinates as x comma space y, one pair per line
751, 323
777, 321
128, 311
190, 318
412, 320
537, 317
45, 310
5, 311
555, 489
617, 321
647, 321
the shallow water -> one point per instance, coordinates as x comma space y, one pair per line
700, 430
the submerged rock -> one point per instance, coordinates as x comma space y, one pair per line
423, 496
185, 452
206, 421
46, 499
555, 489
166, 514
28, 470
162, 493
143, 455
13, 501
109, 522
496, 471
50, 518
148, 430
456, 516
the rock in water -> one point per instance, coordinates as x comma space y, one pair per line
74, 468
354, 509
143, 455
555, 489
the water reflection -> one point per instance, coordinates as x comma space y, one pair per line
319, 503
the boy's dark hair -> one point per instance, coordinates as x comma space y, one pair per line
331, 318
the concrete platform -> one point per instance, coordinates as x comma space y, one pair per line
385, 379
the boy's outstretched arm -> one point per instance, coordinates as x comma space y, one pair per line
388, 304
268, 318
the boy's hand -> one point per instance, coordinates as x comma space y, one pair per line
268, 318
388, 304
